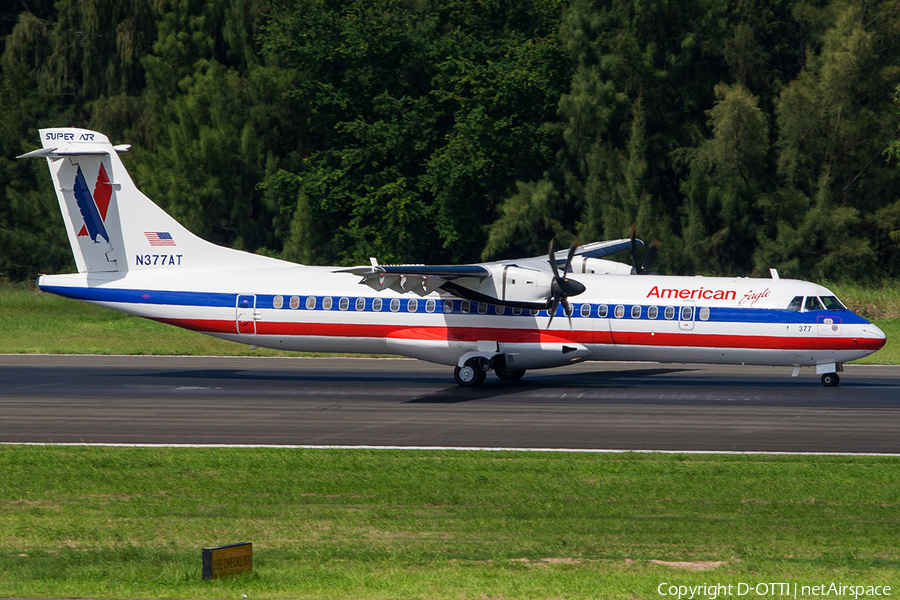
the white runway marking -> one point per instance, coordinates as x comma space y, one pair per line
453, 448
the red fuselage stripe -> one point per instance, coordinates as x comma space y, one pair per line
472, 334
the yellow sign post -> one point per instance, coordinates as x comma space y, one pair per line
223, 561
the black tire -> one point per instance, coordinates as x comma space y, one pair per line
830, 379
510, 374
470, 374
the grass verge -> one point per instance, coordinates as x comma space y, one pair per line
32, 322
130, 523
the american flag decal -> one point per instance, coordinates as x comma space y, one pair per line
159, 238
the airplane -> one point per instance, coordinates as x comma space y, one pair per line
505, 316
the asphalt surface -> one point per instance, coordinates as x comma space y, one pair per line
387, 402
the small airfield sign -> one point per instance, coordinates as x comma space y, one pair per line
222, 561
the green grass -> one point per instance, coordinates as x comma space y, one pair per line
32, 322
130, 523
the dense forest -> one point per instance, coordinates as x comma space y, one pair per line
743, 134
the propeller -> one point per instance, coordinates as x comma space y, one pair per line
562, 287
651, 250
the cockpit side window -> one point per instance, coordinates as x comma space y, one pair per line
832, 303
796, 304
812, 303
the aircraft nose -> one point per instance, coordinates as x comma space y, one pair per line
874, 332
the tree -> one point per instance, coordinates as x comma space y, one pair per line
727, 174
832, 126
417, 120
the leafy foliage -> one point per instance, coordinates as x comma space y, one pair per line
742, 135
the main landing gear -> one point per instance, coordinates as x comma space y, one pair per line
474, 372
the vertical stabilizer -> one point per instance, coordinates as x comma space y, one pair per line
112, 226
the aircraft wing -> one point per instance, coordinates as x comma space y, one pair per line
421, 279
592, 250
523, 283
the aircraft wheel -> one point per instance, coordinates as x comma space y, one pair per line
470, 374
830, 379
509, 374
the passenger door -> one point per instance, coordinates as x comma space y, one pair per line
246, 314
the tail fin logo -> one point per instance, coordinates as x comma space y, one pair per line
94, 206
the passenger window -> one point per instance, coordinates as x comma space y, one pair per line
395, 304
482, 308
704, 314
602, 310
585, 310
377, 304
620, 311
360, 304
278, 302
447, 306
295, 302
429, 306
812, 303
327, 302
687, 312
500, 310
466, 306
636, 312
517, 311
412, 305
344, 303
652, 312
534, 312
796, 304
310, 302
670, 312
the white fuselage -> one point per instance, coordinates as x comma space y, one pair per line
618, 317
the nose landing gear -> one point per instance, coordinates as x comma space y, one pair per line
830, 379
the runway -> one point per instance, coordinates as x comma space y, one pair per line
392, 402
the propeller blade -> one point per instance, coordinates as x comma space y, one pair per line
553, 262
654, 245
634, 260
562, 287
567, 310
552, 310
572, 249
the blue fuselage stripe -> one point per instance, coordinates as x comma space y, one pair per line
267, 301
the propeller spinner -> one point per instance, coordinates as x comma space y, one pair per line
562, 287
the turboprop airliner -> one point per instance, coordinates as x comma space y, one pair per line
504, 317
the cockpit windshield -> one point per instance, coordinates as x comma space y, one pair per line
832, 303
811, 303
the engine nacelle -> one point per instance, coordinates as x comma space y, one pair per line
510, 283
599, 266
